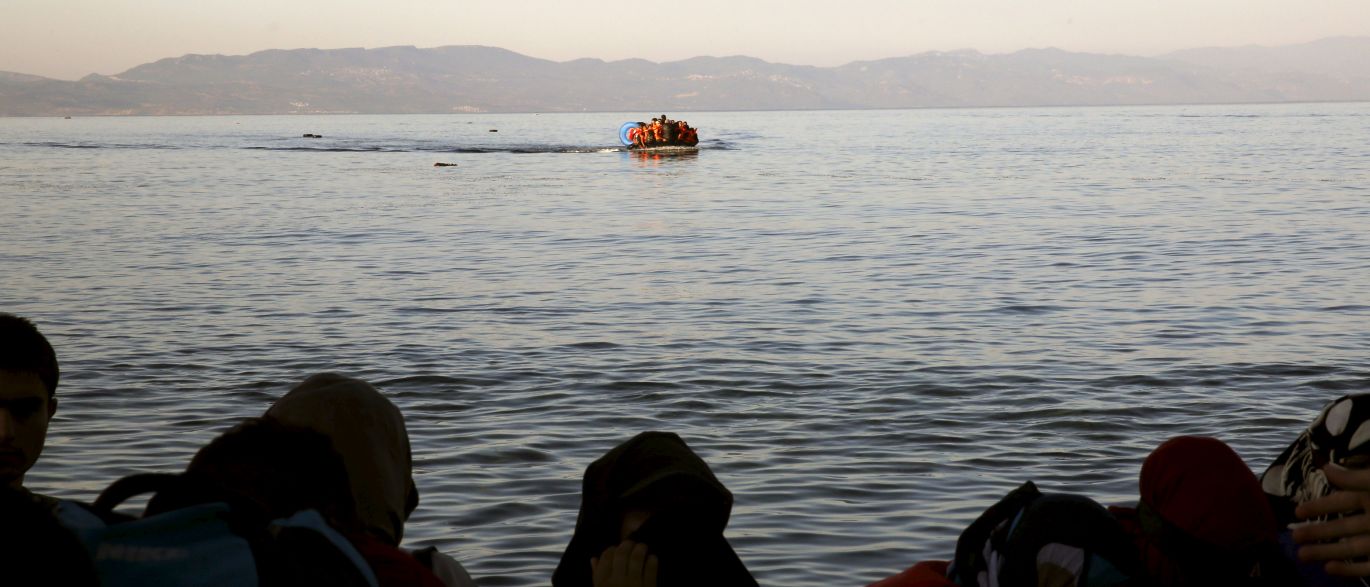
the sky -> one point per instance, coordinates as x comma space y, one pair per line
68, 39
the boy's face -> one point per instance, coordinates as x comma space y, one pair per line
24, 414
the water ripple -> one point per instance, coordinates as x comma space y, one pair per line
869, 338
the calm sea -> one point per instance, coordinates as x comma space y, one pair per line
871, 324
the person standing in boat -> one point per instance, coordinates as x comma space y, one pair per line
668, 134
639, 135
656, 132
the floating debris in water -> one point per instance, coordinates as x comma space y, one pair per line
494, 130
441, 164
312, 136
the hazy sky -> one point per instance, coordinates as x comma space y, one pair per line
67, 39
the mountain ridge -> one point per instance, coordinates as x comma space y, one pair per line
474, 78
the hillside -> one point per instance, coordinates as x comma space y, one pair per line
486, 79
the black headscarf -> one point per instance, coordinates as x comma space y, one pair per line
657, 472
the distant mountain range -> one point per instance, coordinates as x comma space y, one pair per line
487, 79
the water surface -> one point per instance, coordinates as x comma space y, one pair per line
871, 324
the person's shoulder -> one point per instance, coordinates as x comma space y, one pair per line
47, 502
35, 547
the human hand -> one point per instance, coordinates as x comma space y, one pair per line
625, 565
1344, 542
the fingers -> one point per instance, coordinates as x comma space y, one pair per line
1354, 494
621, 554
1335, 551
1345, 478
649, 571
1347, 568
1334, 503
1338, 541
626, 565
636, 558
1351, 526
600, 567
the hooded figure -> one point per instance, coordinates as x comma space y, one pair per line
1203, 519
655, 476
368, 432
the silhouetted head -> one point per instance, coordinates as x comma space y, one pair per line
28, 387
654, 490
1204, 517
368, 432
277, 468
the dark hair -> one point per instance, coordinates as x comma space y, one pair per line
24, 350
282, 468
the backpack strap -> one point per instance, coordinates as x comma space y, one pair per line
119, 491
312, 521
174, 491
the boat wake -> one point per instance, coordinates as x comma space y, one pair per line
346, 146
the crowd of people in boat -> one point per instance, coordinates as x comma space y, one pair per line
317, 489
663, 132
